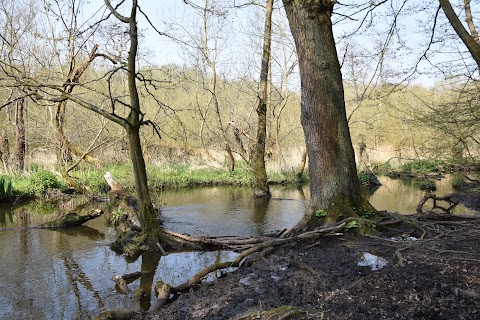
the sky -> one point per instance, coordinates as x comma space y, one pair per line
238, 46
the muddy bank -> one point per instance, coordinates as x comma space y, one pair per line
434, 278
432, 271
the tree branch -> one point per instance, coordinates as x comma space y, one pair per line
116, 13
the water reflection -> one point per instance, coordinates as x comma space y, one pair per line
230, 211
403, 195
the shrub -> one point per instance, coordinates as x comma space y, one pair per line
457, 181
422, 166
42, 180
6, 187
368, 179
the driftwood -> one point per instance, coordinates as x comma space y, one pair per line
113, 183
433, 196
162, 292
71, 219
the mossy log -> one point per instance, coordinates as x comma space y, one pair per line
71, 219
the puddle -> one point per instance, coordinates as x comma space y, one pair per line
367, 259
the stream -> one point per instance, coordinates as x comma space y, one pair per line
67, 274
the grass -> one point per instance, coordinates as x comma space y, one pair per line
417, 167
37, 180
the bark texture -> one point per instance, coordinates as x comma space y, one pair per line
19, 150
333, 176
261, 189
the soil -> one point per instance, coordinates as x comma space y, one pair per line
432, 272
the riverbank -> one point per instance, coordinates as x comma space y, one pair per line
37, 180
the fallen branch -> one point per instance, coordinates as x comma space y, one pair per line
446, 198
166, 290
116, 314
229, 242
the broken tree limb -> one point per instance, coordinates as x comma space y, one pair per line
433, 196
71, 219
196, 278
113, 183
116, 314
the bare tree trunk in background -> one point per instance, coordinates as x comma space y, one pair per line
261, 189
301, 166
64, 154
65, 147
4, 150
469, 20
334, 183
19, 150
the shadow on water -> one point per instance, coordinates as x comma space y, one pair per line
67, 273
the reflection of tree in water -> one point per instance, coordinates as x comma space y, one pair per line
260, 209
23, 217
149, 266
77, 277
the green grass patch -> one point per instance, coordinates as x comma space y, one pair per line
422, 166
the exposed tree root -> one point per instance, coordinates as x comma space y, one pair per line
217, 242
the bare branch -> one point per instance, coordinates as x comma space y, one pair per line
115, 12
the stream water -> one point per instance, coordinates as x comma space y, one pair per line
67, 274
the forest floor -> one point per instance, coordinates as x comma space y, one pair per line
432, 271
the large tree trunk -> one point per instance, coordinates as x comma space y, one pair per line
261, 189
19, 151
334, 183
